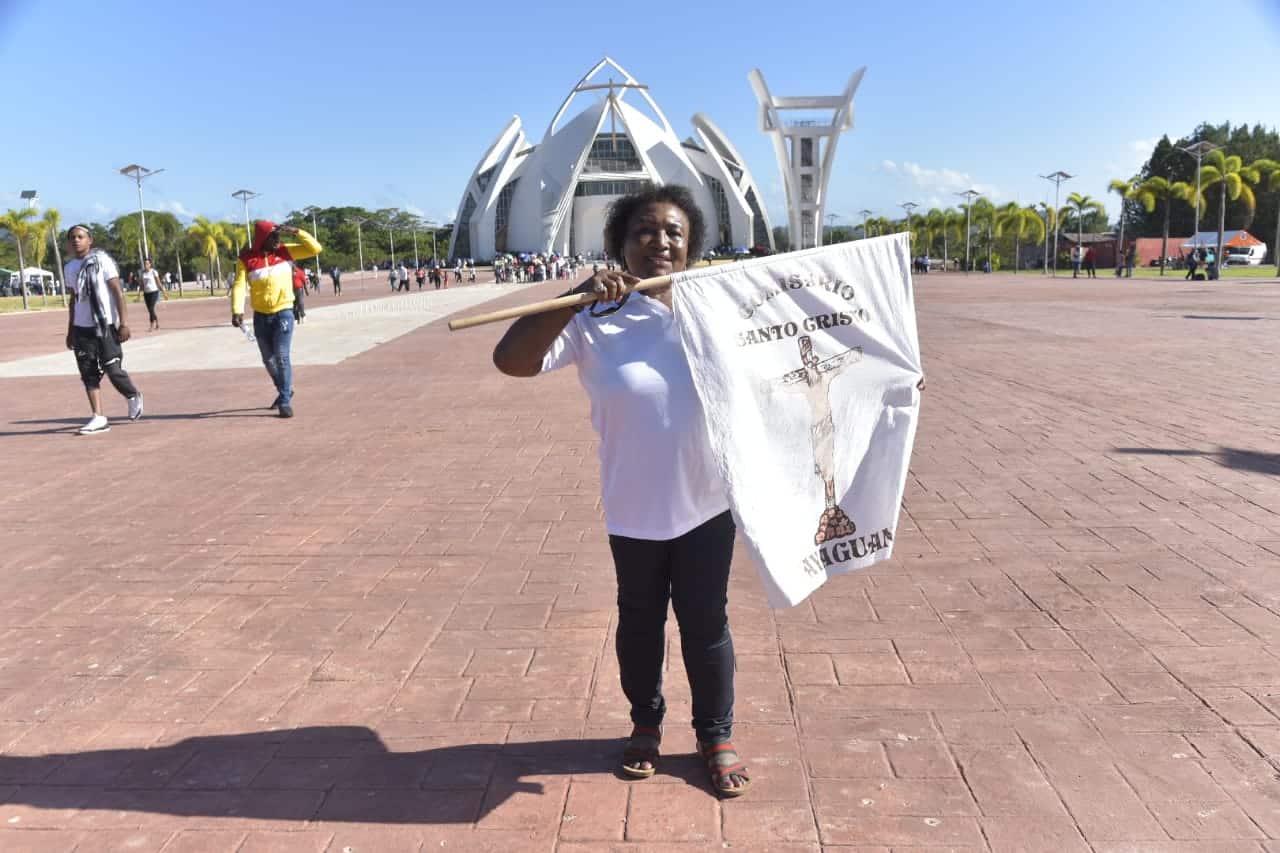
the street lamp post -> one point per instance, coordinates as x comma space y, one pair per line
139, 174
433, 225
908, 206
315, 232
1198, 151
1057, 177
360, 243
968, 196
864, 213
831, 224
244, 196
416, 262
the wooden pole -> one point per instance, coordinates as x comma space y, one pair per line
570, 301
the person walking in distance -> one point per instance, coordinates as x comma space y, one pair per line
404, 277
299, 291
420, 275
265, 269
1090, 265
97, 325
336, 275
151, 292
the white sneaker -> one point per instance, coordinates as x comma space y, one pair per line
96, 424
135, 407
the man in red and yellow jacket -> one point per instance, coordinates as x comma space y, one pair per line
266, 269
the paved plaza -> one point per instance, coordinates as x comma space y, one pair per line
386, 625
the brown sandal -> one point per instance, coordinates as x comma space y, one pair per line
642, 746
722, 764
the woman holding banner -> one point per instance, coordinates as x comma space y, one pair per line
665, 504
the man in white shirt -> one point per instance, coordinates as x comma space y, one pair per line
97, 325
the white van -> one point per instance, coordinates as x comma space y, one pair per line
1247, 255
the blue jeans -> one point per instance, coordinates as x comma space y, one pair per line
275, 337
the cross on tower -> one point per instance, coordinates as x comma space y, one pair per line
613, 105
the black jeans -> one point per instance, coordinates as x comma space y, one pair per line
692, 572
96, 357
151, 299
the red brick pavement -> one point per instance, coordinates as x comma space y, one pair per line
385, 625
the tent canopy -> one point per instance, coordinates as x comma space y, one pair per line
1209, 239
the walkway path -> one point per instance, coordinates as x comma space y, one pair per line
386, 624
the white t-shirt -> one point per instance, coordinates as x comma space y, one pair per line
83, 312
658, 477
150, 281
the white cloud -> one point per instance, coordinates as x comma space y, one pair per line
177, 208
414, 210
1143, 146
889, 166
946, 182
100, 208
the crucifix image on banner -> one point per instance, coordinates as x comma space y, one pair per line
806, 365
814, 379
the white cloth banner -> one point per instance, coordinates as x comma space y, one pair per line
806, 365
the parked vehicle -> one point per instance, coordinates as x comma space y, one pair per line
1246, 255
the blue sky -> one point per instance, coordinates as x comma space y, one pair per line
391, 104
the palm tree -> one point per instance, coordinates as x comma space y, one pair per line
1022, 223
1271, 170
209, 237
1127, 190
984, 213
926, 231
18, 223
952, 222
1157, 190
1234, 179
1081, 205
52, 221
1049, 219
237, 239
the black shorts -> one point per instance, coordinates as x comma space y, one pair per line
94, 355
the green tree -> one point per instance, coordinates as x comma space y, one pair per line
1081, 205
1023, 224
781, 239
984, 217
1163, 192
1269, 174
1234, 180
21, 228
209, 237
52, 221
1050, 216
948, 222
1127, 190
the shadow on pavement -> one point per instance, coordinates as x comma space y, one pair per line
323, 773
69, 425
1228, 457
1218, 317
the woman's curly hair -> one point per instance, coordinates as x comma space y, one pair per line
622, 210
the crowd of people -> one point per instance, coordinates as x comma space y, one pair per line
430, 272
525, 268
